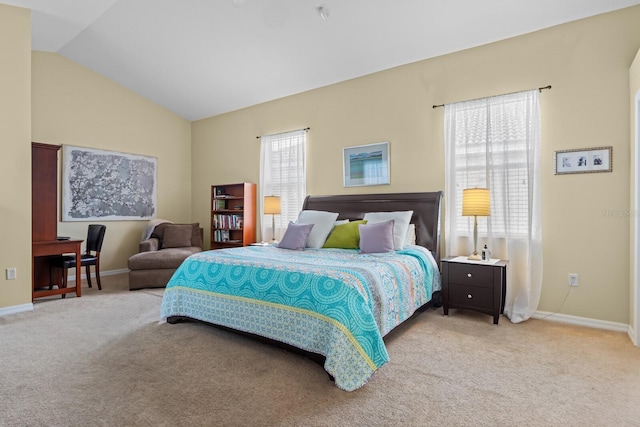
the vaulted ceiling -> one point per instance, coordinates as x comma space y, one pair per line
200, 58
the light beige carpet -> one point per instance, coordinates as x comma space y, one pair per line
106, 360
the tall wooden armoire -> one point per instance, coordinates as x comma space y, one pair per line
44, 192
44, 222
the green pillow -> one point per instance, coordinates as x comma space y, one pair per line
345, 236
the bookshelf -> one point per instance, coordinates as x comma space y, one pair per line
233, 215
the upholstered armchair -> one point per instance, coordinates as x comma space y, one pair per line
162, 253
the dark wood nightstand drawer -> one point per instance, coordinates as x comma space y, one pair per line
467, 296
478, 275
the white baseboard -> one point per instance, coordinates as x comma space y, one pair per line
5, 311
633, 336
581, 321
102, 273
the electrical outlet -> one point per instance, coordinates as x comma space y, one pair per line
573, 279
11, 273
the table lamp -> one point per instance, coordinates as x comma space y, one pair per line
272, 207
475, 202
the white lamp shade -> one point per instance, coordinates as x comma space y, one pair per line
476, 202
272, 205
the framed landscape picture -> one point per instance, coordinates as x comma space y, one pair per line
584, 160
366, 165
99, 185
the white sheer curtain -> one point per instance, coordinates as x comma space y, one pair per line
495, 143
282, 173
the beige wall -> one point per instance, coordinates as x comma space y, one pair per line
587, 63
15, 161
73, 105
634, 122
60, 102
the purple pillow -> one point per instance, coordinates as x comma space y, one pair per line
296, 236
376, 237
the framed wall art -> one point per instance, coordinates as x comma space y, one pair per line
366, 165
585, 160
100, 185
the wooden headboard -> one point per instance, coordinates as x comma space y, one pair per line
425, 207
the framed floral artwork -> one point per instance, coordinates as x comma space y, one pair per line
107, 185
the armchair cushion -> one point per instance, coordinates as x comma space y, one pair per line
196, 234
162, 259
177, 236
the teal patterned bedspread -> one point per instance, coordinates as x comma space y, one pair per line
334, 302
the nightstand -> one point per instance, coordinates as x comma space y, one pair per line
474, 285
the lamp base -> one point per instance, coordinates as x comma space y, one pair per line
474, 257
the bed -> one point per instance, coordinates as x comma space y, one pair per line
337, 304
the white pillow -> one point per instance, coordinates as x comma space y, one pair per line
323, 223
411, 235
400, 226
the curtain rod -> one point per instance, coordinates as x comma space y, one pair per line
540, 89
305, 129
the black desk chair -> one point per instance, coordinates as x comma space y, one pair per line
95, 236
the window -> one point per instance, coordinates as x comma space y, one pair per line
494, 143
282, 173
491, 148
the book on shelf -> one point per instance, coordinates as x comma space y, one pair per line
221, 236
230, 222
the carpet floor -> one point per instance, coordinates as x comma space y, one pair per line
105, 359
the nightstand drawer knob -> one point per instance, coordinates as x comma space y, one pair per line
468, 274
469, 296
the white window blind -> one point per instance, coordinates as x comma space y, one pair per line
282, 173
492, 150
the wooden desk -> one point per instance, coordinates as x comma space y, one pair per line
41, 278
